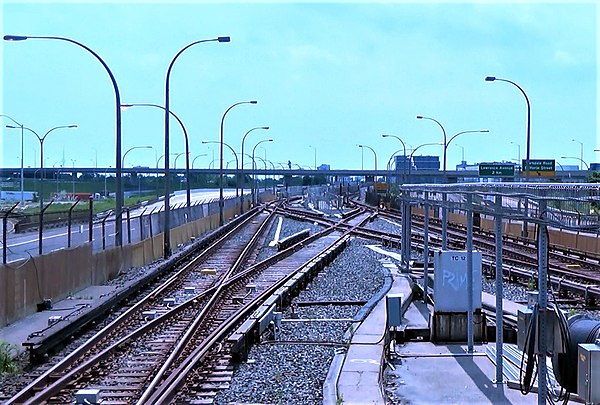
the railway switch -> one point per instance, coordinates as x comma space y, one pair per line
87, 396
54, 319
393, 306
169, 302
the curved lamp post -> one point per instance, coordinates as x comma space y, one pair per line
42, 173
119, 181
573, 157
518, 151
254, 192
374, 154
581, 148
403, 146
130, 149
454, 137
234, 154
528, 144
187, 145
22, 179
167, 221
242, 171
421, 117
221, 158
196, 157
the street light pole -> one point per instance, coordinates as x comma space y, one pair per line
167, 221
518, 150
242, 168
581, 160
374, 154
528, 144
196, 157
254, 191
119, 191
453, 137
22, 177
175, 163
315, 148
221, 202
421, 117
236, 160
42, 174
581, 148
403, 147
187, 145
130, 149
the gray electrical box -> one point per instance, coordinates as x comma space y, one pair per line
450, 293
588, 372
523, 320
393, 306
553, 335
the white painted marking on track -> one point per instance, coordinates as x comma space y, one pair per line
378, 249
277, 233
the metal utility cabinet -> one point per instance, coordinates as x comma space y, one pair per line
588, 372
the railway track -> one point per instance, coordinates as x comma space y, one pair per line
570, 272
129, 359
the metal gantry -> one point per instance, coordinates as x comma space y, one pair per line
567, 207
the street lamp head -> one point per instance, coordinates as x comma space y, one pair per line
125, 106
419, 117
269, 140
12, 126
14, 38
224, 39
360, 146
385, 135
485, 130
490, 78
253, 102
72, 126
264, 127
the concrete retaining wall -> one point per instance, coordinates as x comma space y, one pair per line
56, 275
568, 239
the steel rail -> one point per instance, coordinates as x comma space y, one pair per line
70, 359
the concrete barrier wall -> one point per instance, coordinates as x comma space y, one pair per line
56, 275
25, 283
568, 239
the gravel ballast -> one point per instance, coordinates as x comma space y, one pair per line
294, 370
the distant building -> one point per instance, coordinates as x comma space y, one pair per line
466, 166
324, 167
402, 163
426, 162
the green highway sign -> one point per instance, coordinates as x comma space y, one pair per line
496, 169
539, 167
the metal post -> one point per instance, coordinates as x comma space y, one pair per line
444, 221
525, 230
499, 290
128, 226
91, 221
470, 272
41, 226
142, 224
69, 216
4, 223
425, 246
104, 231
542, 305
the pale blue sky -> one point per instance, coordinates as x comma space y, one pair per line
329, 75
